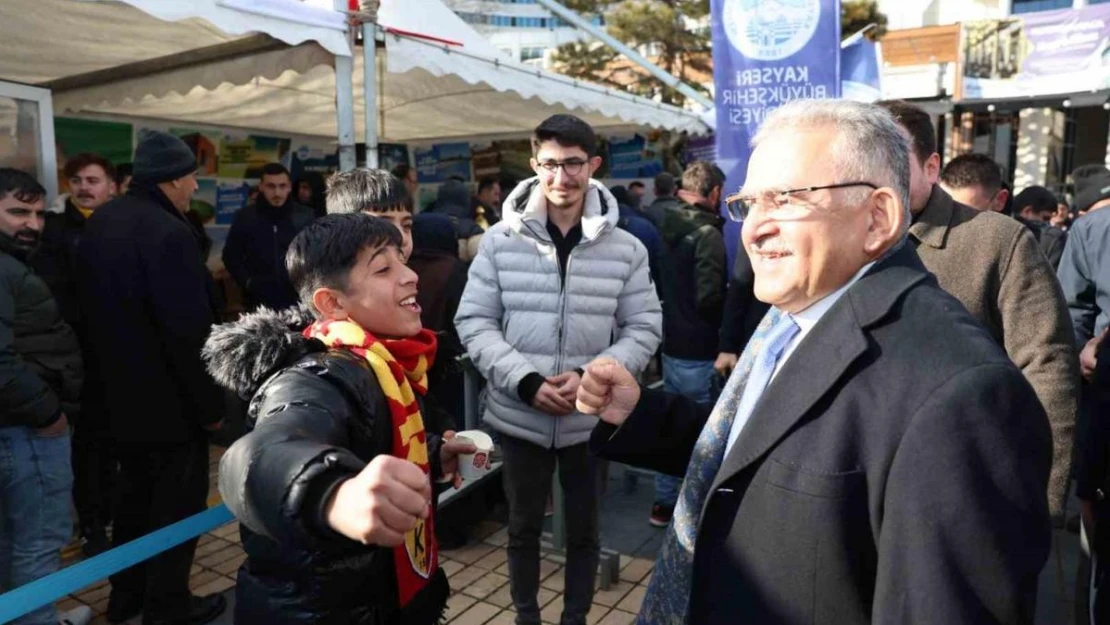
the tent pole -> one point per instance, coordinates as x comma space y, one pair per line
370, 87
345, 102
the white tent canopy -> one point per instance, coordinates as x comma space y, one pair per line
202, 68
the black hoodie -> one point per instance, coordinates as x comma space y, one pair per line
254, 254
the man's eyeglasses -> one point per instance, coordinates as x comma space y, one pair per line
740, 206
571, 167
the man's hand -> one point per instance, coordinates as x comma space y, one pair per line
608, 391
449, 453
726, 362
548, 399
58, 428
567, 385
380, 504
1088, 358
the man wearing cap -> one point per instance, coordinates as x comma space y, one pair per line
145, 293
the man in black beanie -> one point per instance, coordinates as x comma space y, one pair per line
145, 293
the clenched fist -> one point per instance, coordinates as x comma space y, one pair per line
383, 502
608, 390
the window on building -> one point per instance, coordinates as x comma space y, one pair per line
531, 54
1032, 6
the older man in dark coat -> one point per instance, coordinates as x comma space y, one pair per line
145, 293
860, 467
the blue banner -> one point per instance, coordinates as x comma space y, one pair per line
860, 78
767, 53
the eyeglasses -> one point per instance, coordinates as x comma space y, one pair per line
740, 206
571, 167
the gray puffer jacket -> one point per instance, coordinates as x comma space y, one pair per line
515, 318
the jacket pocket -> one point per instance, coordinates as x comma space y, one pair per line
793, 478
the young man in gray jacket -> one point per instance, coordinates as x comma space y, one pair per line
555, 284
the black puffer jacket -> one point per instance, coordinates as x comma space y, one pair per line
318, 417
40, 360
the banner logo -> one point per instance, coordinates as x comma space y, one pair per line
770, 30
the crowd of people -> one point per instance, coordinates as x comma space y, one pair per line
872, 419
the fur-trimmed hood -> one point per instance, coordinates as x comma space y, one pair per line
244, 354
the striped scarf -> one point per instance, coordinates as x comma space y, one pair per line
401, 367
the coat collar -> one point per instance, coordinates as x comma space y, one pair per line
525, 210
932, 224
823, 357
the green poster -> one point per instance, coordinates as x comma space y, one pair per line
112, 140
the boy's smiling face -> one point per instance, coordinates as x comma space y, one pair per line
380, 294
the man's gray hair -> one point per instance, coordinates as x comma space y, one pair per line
869, 147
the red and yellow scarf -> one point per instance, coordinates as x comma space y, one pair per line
401, 367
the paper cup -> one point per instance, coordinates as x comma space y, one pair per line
475, 465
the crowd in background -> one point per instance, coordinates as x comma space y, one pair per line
107, 303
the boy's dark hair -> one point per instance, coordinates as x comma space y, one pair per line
568, 131
635, 184
123, 170
364, 189
275, 169
973, 170
664, 185
702, 177
323, 254
1040, 199
918, 123
20, 185
486, 183
83, 160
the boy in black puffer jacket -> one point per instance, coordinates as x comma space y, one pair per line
333, 487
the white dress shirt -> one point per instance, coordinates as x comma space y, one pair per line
805, 320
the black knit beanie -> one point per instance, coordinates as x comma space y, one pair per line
161, 157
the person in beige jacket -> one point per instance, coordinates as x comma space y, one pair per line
992, 264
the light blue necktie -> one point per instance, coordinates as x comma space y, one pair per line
668, 595
777, 341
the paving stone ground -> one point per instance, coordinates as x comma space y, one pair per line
479, 574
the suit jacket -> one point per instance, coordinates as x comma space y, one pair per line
890, 473
992, 264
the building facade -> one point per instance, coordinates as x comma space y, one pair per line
522, 29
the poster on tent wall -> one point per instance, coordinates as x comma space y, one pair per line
442, 162
112, 140
391, 155
244, 156
1046, 53
313, 159
634, 157
767, 53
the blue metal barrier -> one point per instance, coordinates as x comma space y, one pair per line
69, 580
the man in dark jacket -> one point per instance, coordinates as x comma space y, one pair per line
453, 200
860, 467
91, 180
333, 485
632, 222
255, 250
1035, 207
435, 259
40, 384
693, 296
664, 199
145, 295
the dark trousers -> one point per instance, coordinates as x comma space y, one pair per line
528, 471
95, 472
160, 484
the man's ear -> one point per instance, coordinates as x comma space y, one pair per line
1000, 200
329, 303
888, 221
595, 165
932, 168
